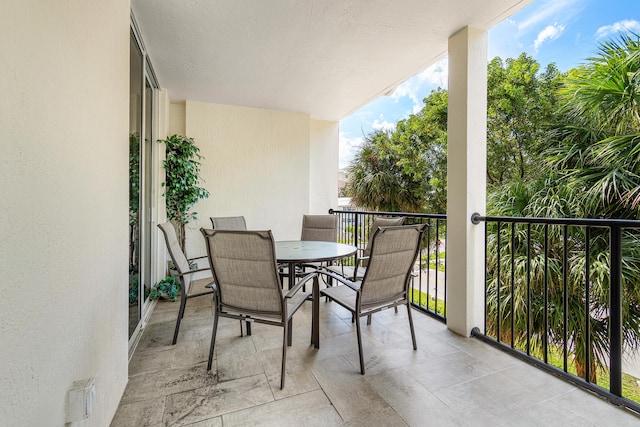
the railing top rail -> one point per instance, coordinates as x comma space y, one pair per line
411, 214
476, 218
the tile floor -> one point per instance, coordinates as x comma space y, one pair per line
449, 381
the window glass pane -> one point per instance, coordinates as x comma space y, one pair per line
135, 128
148, 159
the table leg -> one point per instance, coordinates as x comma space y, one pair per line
292, 275
315, 320
292, 282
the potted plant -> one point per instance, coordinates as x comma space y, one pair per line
167, 288
182, 182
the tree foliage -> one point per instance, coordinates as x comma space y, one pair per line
558, 146
521, 104
404, 170
377, 182
591, 170
597, 143
420, 144
182, 183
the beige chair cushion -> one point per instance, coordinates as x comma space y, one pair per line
320, 228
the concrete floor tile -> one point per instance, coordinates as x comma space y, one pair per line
449, 380
164, 382
207, 402
146, 413
305, 409
347, 389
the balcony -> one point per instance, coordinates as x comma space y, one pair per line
449, 380
269, 135
442, 380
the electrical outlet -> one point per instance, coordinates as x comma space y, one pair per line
80, 399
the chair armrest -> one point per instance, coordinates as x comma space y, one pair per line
357, 263
298, 285
194, 271
340, 279
362, 258
198, 257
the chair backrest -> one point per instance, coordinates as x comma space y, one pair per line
244, 269
380, 222
175, 252
393, 254
228, 223
320, 228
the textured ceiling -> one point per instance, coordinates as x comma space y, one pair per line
326, 58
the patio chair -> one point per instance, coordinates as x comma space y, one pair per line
189, 288
316, 228
246, 284
386, 282
320, 228
231, 223
356, 272
228, 223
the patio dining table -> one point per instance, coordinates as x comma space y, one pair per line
296, 252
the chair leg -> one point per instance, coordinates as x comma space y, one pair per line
248, 328
241, 333
213, 339
359, 344
183, 303
413, 334
290, 332
369, 316
285, 336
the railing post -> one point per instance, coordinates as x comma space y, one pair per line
356, 231
615, 313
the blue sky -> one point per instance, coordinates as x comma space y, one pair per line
562, 31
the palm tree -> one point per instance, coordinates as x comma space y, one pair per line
592, 171
598, 150
537, 249
377, 182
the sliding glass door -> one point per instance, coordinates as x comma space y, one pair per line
141, 160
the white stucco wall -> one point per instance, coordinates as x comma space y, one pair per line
323, 166
256, 164
64, 117
176, 119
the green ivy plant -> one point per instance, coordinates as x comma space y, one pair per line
167, 288
182, 183
133, 289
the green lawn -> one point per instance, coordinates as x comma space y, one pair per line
430, 303
630, 387
432, 261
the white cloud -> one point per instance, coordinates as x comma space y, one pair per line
545, 11
419, 86
618, 27
383, 124
551, 32
348, 148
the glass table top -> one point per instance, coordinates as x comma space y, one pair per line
301, 251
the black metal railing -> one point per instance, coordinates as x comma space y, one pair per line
429, 287
563, 294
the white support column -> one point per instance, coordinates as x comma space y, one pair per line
466, 177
